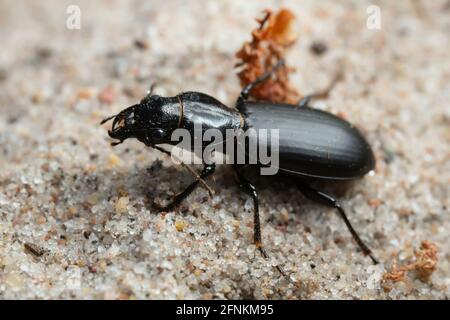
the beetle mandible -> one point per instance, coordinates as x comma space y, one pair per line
312, 143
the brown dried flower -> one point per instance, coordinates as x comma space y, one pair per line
424, 264
268, 45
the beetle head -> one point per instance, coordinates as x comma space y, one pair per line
146, 121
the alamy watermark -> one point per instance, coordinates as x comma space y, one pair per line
373, 21
234, 146
73, 21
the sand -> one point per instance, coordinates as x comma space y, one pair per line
77, 218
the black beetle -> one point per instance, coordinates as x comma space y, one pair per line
312, 143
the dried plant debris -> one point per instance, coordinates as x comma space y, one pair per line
34, 249
270, 42
424, 265
318, 48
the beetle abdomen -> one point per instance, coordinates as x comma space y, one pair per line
313, 142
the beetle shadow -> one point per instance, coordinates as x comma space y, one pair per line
279, 183
158, 183
86, 189
283, 190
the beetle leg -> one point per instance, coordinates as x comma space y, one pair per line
325, 199
208, 170
243, 96
304, 102
195, 174
250, 189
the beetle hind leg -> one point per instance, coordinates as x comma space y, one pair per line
325, 199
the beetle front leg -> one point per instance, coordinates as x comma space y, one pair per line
250, 189
207, 171
325, 199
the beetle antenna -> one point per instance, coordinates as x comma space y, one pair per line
192, 171
107, 119
113, 144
